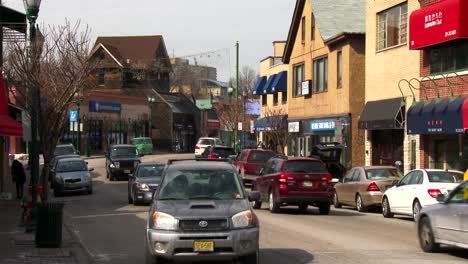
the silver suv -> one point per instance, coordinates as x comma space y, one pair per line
201, 212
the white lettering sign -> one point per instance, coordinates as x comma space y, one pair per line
305, 87
293, 127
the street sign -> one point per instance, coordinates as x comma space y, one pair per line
73, 116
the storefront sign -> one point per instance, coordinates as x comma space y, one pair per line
252, 127
306, 87
104, 107
213, 124
73, 116
323, 125
239, 126
204, 104
442, 21
294, 127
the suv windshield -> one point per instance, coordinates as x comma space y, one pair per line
64, 150
304, 166
376, 174
195, 184
124, 152
260, 156
441, 176
69, 166
150, 171
206, 142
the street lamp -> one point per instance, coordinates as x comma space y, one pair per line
78, 104
32, 11
151, 101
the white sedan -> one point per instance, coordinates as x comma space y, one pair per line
418, 189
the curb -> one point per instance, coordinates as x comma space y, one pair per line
88, 255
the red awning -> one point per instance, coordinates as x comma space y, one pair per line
438, 23
8, 126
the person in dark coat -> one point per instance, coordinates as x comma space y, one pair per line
19, 177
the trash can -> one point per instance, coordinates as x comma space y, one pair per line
49, 220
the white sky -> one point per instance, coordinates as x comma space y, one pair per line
188, 26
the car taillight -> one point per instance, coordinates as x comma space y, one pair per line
433, 192
197, 147
327, 178
373, 187
282, 178
213, 156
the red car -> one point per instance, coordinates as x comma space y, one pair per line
294, 181
250, 161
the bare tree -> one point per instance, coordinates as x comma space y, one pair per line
61, 72
276, 128
247, 79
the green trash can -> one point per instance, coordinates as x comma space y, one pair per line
49, 220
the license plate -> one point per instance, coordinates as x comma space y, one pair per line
308, 183
203, 246
126, 171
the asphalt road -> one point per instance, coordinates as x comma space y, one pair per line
112, 231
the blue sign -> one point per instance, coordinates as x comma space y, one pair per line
73, 116
104, 107
253, 108
323, 125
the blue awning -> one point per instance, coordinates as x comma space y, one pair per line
269, 84
272, 123
280, 84
258, 88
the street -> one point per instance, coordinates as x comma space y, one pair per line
112, 231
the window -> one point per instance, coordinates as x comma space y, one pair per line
303, 28
417, 178
264, 99
321, 75
339, 68
312, 33
284, 97
392, 26
459, 195
102, 78
275, 98
406, 180
446, 59
298, 79
357, 176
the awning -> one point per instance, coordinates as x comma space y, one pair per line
8, 126
269, 84
272, 123
441, 116
13, 19
258, 88
280, 84
383, 114
442, 21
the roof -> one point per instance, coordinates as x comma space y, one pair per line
377, 167
71, 159
178, 103
151, 163
199, 165
122, 145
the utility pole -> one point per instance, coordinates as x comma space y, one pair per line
236, 132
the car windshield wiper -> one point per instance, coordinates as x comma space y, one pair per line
170, 199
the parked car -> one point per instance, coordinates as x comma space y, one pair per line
218, 152
294, 181
446, 222
53, 166
331, 155
250, 161
205, 142
72, 175
144, 145
144, 182
65, 149
363, 187
121, 160
418, 189
201, 212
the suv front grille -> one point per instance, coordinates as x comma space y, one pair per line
127, 164
201, 225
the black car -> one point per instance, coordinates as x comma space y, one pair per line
331, 155
144, 182
121, 160
218, 152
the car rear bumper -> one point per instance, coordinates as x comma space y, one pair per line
227, 245
372, 198
316, 199
122, 172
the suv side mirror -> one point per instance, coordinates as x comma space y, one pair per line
254, 196
440, 198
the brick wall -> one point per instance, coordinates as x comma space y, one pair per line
425, 3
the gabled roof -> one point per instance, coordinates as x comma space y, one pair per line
334, 18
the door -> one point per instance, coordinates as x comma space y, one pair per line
414, 190
344, 194
261, 182
399, 195
356, 184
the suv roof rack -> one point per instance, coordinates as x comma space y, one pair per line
171, 161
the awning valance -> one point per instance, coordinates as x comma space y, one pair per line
258, 88
441, 116
8, 126
280, 84
383, 114
272, 123
268, 86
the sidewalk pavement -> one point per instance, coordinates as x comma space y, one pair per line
16, 246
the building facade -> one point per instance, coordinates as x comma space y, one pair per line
325, 52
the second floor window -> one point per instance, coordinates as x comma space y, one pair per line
298, 72
284, 97
265, 99
312, 36
303, 28
102, 78
321, 75
339, 62
392, 26
449, 59
275, 98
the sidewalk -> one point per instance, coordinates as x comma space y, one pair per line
19, 247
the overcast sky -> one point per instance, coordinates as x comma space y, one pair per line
189, 27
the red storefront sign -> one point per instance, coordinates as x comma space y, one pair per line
213, 124
441, 22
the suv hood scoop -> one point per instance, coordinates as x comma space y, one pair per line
202, 205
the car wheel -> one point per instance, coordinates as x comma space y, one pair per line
416, 210
426, 236
360, 204
303, 206
273, 205
336, 202
386, 211
90, 190
324, 209
251, 259
111, 177
150, 259
256, 204
130, 200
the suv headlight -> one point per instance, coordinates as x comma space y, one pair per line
142, 186
115, 165
164, 221
243, 219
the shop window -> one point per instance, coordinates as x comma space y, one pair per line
321, 75
284, 97
447, 59
298, 79
339, 70
275, 98
264, 99
392, 26
303, 29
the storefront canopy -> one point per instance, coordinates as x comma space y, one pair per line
383, 114
443, 21
280, 83
8, 126
258, 88
271, 123
442, 116
268, 86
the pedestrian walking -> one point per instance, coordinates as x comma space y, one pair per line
18, 177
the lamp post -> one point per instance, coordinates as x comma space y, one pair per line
32, 11
151, 101
78, 104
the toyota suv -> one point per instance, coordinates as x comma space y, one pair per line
294, 181
201, 212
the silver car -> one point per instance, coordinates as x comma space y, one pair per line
446, 222
201, 212
72, 175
